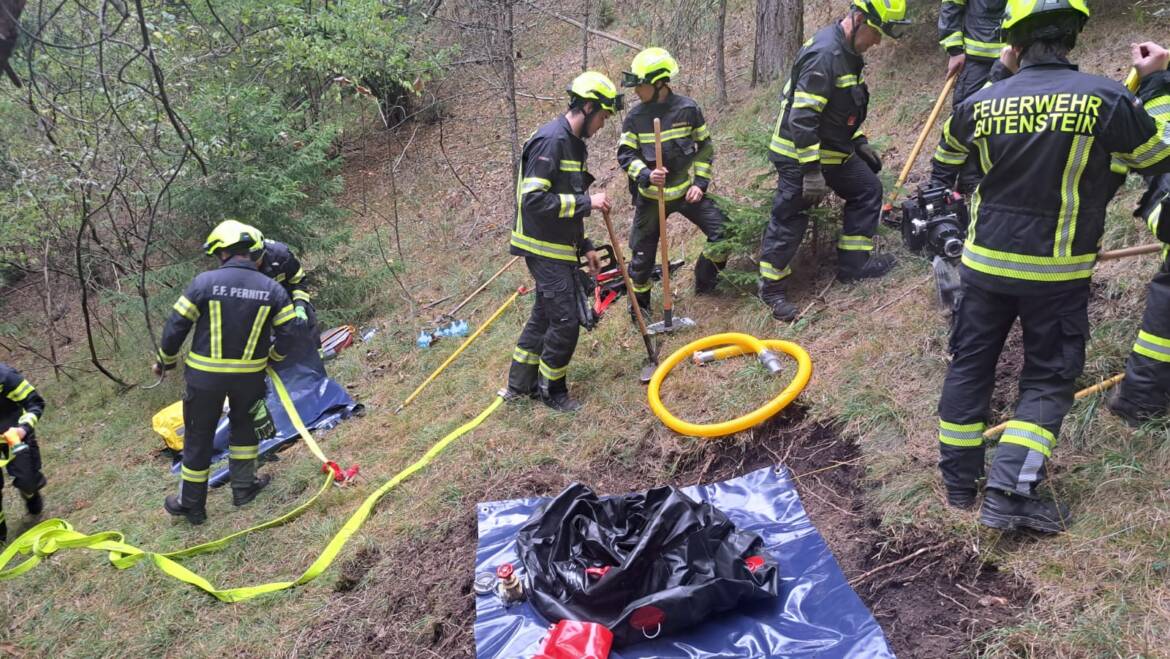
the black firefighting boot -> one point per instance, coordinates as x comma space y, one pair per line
961, 498
511, 396
34, 503
521, 378
772, 293
245, 483
706, 275
174, 506
854, 265
561, 402
555, 394
1133, 415
1010, 511
643, 302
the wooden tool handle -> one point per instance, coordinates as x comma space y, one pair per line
1113, 255
926, 130
664, 249
621, 259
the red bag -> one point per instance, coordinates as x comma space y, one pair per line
570, 639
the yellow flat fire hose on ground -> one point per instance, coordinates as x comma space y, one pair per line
731, 344
53, 535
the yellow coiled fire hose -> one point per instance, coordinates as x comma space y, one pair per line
732, 344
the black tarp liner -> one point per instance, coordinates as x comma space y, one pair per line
816, 614
641, 564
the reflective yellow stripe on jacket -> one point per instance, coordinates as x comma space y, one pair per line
186, 309
982, 49
786, 147
673, 192
221, 365
21, 391
667, 135
543, 248
1027, 266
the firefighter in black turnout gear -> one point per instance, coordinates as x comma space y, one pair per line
969, 32
1145, 392
281, 264
234, 310
1051, 143
20, 409
686, 144
818, 144
552, 200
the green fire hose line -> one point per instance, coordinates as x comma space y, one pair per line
50, 536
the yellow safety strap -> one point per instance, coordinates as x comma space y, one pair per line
49, 536
291, 410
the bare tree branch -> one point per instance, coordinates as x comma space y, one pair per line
604, 35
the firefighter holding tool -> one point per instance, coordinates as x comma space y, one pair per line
686, 146
1047, 140
553, 199
818, 146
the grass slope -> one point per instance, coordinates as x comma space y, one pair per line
399, 587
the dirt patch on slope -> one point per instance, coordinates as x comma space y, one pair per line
413, 597
932, 596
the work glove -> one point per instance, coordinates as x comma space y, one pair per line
814, 187
13, 443
302, 314
869, 157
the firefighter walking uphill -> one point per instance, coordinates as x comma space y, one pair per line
234, 311
686, 144
20, 409
1052, 144
818, 144
552, 200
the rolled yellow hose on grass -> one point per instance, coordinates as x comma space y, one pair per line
731, 344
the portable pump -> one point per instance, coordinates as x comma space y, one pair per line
935, 222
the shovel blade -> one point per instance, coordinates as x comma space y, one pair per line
679, 323
648, 368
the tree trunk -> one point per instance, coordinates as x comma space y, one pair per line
47, 305
779, 33
720, 65
10, 11
509, 45
585, 37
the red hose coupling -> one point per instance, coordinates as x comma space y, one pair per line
332, 467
